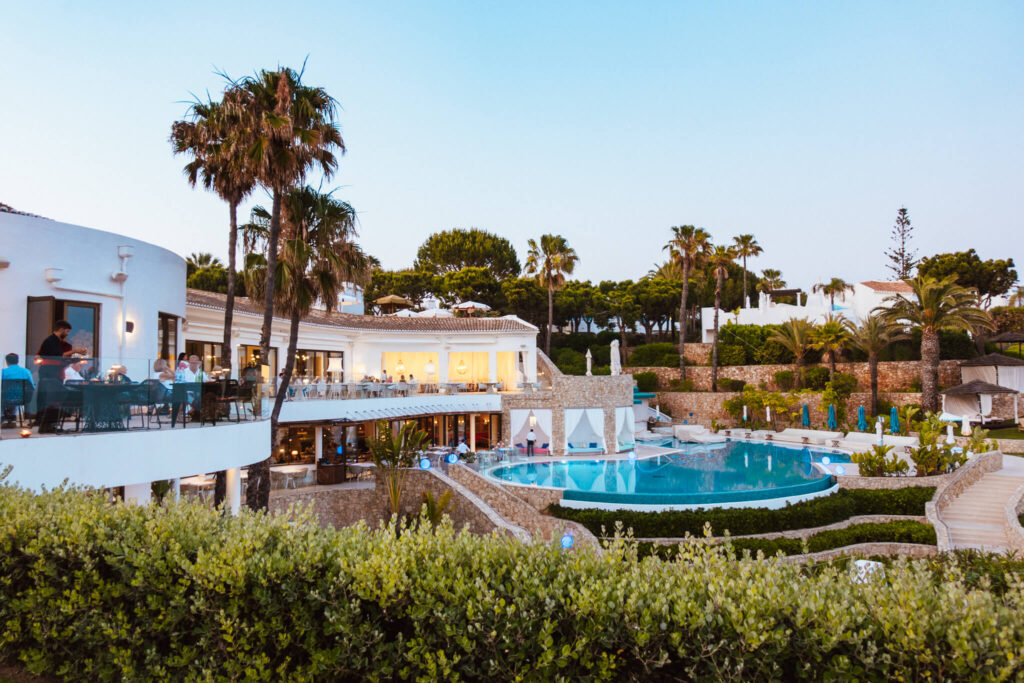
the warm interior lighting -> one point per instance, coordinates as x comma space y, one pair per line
25, 433
430, 368
461, 368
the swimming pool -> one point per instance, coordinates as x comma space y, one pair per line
694, 475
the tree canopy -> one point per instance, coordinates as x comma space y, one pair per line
989, 278
450, 251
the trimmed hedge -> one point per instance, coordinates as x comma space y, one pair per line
646, 382
94, 591
903, 531
816, 512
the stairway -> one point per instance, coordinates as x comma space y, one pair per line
975, 517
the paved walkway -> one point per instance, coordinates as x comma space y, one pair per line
975, 517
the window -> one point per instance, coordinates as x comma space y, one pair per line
167, 337
44, 311
208, 352
311, 364
248, 356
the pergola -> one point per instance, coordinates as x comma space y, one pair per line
1007, 338
973, 400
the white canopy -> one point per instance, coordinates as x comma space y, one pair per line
471, 306
583, 427
519, 421
624, 424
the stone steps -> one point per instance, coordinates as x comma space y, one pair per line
975, 518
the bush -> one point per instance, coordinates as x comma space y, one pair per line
748, 338
93, 591
659, 354
785, 379
844, 384
646, 381
729, 354
815, 377
732, 384
681, 385
570, 362
879, 463
837, 507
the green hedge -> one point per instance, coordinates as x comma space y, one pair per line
646, 382
888, 532
92, 591
837, 507
664, 354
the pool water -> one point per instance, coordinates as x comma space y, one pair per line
695, 474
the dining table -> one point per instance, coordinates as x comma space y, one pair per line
105, 405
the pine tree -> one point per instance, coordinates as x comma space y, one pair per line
903, 258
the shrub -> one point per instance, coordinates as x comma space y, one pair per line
844, 384
570, 362
879, 463
729, 354
934, 455
654, 355
785, 379
646, 381
732, 384
815, 377
93, 591
681, 384
748, 338
837, 507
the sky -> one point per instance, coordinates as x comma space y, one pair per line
806, 124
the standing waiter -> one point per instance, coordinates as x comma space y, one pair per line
50, 359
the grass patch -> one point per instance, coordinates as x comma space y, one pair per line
837, 507
1006, 433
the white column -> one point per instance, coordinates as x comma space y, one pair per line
318, 443
138, 494
492, 366
233, 479
472, 432
531, 365
442, 366
176, 489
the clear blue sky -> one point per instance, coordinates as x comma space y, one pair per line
806, 124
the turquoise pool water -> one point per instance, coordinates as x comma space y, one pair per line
733, 471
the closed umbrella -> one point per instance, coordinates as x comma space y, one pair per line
862, 420
832, 424
894, 421
806, 421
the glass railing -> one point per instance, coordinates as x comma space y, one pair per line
77, 395
303, 389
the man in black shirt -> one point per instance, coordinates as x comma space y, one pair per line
50, 359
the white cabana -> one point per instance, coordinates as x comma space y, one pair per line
470, 306
584, 430
994, 368
624, 425
973, 400
522, 420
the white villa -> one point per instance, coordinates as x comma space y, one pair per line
856, 305
480, 379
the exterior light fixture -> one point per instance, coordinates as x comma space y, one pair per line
4, 262
129, 327
400, 366
461, 368
424, 463
25, 433
430, 368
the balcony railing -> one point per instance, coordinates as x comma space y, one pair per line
302, 390
70, 396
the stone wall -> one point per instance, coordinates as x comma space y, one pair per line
571, 391
913, 550
1011, 523
892, 375
849, 481
700, 407
334, 506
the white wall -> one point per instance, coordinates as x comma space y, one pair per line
125, 458
87, 257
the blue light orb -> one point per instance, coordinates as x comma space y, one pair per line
826, 461
424, 463
452, 458
840, 470
567, 541
341, 450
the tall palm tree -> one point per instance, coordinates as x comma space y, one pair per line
830, 337
318, 255
934, 304
1017, 298
687, 247
872, 336
771, 279
550, 261
719, 257
285, 129
832, 288
746, 245
223, 168
795, 336
203, 260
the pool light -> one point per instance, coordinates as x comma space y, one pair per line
567, 540
424, 463
826, 461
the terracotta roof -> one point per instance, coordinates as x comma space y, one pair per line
976, 386
992, 359
7, 208
504, 324
879, 286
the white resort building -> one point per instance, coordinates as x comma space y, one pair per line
128, 408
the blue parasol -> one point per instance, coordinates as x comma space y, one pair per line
832, 424
862, 420
894, 421
806, 417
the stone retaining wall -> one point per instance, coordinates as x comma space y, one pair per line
892, 375
956, 483
333, 506
706, 406
877, 483
1011, 524
867, 550
517, 510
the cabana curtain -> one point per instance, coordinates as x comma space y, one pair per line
624, 428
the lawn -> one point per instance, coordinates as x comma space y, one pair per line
1006, 433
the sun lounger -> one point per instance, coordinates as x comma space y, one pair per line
863, 441
815, 437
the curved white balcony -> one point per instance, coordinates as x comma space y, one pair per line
391, 408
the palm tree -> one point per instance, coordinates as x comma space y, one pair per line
285, 128
1017, 298
872, 336
203, 260
719, 257
687, 247
795, 336
746, 245
832, 288
550, 261
771, 279
318, 255
831, 337
224, 168
934, 304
